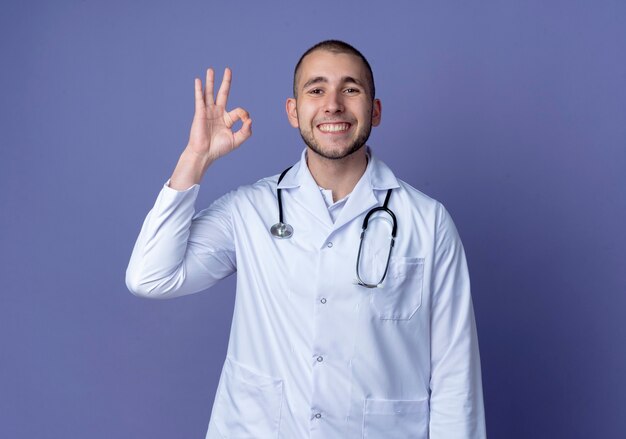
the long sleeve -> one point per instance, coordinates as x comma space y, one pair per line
456, 402
179, 252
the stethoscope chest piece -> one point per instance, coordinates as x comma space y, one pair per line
282, 230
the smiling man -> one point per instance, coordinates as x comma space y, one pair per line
333, 100
353, 314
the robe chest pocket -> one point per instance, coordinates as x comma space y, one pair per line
401, 293
391, 419
248, 404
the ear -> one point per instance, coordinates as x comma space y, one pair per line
376, 112
292, 112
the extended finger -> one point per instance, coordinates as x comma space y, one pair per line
234, 115
198, 94
222, 94
208, 90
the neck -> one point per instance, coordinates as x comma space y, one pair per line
340, 176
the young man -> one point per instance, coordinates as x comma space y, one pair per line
336, 333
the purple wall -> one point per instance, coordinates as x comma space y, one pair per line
513, 114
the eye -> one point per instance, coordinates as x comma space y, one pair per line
351, 90
316, 91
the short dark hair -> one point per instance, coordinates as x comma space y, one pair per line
336, 46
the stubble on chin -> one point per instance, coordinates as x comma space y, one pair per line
357, 144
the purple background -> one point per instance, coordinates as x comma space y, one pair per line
513, 114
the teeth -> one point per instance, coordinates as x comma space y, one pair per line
334, 127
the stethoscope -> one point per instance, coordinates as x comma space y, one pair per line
283, 230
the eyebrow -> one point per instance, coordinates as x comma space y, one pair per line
323, 79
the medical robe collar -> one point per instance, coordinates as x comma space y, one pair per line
365, 195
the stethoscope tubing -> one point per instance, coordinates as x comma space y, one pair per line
283, 230
279, 195
394, 229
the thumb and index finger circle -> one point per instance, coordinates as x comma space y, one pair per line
243, 133
233, 116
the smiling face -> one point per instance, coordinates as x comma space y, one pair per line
334, 109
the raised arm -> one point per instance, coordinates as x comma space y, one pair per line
211, 134
179, 252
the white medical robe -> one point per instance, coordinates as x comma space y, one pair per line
311, 353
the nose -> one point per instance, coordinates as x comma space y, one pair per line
334, 102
